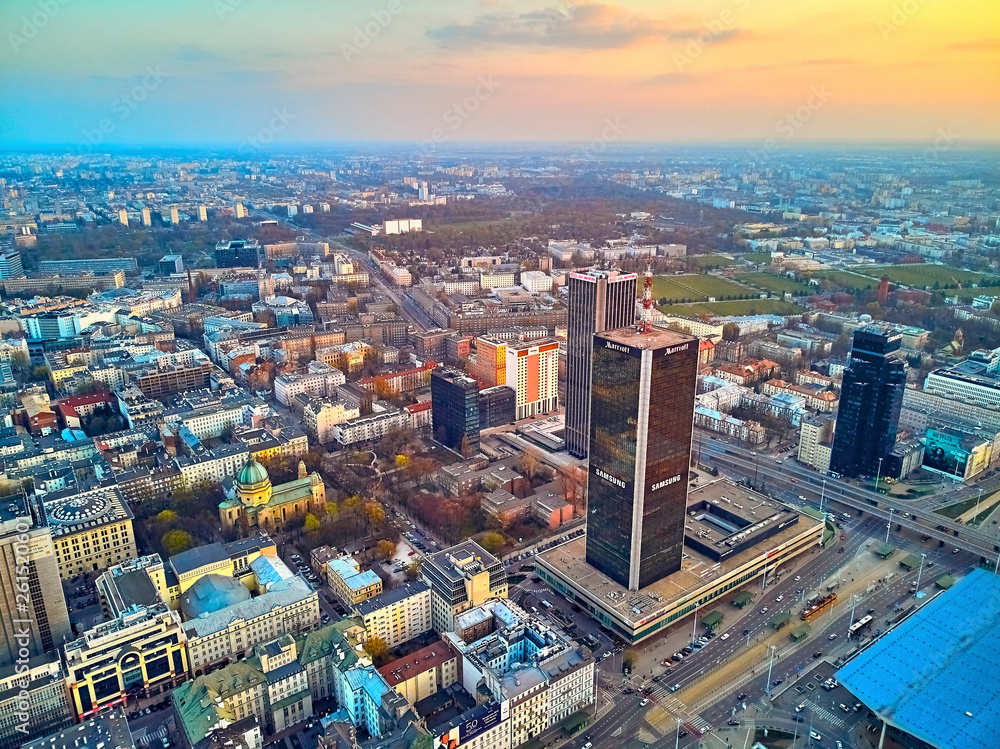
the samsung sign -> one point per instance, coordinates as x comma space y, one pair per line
665, 482
608, 477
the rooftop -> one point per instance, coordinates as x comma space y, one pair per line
658, 338
108, 731
936, 675
418, 662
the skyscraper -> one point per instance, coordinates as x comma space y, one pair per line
33, 612
598, 300
641, 415
455, 410
870, 400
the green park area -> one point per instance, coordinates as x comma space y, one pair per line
696, 288
707, 262
920, 275
737, 308
775, 284
846, 280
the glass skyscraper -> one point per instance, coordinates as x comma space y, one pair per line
870, 400
641, 416
455, 410
599, 300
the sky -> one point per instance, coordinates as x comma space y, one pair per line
107, 73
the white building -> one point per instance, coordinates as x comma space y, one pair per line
322, 379
321, 415
371, 427
533, 372
536, 281
402, 226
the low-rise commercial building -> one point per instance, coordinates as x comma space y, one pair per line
398, 615
461, 577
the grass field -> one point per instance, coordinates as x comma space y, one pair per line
775, 284
694, 288
707, 262
924, 274
845, 280
744, 307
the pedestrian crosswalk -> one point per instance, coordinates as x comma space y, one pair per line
826, 715
142, 737
674, 706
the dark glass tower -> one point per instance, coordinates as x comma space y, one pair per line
870, 400
641, 416
599, 300
455, 410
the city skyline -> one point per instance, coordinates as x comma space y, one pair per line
598, 74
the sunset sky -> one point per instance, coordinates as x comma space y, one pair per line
122, 72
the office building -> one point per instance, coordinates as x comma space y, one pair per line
736, 537
975, 381
461, 577
28, 560
870, 401
455, 413
643, 387
238, 253
92, 265
10, 264
598, 301
32, 695
497, 406
533, 372
171, 264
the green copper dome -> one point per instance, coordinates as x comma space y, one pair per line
252, 473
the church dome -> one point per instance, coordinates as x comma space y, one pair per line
252, 473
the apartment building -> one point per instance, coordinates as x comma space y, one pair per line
320, 416
398, 615
423, 673
33, 700
816, 442
533, 372
372, 427
353, 586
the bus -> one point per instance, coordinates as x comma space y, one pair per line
860, 625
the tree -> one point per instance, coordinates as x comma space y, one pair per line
402, 461
40, 373
166, 516
20, 361
629, 657
493, 541
331, 508
387, 548
374, 512
376, 648
311, 523
413, 570
528, 464
730, 332
175, 541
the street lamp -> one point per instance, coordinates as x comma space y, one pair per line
677, 739
767, 689
978, 500
919, 571
822, 496
854, 603
889, 526
878, 474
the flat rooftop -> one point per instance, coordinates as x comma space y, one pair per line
658, 338
697, 569
936, 675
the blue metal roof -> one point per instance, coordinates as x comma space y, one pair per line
936, 676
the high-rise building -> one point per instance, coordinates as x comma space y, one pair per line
10, 264
643, 387
870, 401
238, 253
29, 618
533, 372
598, 301
455, 412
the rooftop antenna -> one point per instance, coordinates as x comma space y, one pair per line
646, 320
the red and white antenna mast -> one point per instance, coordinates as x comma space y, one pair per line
646, 321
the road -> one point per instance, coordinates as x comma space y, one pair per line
790, 476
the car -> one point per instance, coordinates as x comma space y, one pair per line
800, 708
741, 696
955, 551
675, 687
840, 550
815, 736
845, 708
818, 654
857, 706
833, 636
588, 745
644, 702
606, 654
840, 745
725, 636
732, 722
777, 682
764, 610
779, 599
797, 578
